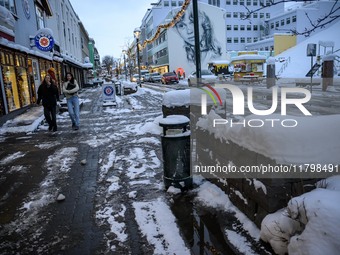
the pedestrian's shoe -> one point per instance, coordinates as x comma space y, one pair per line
54, 128
76, 127
73, 125
50, 127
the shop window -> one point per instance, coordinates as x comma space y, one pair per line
11, 88
23, 87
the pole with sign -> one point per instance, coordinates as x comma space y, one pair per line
311, 52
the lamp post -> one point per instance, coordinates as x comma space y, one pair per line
136, 33
124, 52
197, 41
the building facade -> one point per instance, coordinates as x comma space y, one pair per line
249, 25
36, 35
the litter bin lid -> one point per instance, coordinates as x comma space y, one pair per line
174, 121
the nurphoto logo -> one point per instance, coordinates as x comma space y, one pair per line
238, 103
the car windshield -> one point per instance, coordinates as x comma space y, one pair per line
154, 74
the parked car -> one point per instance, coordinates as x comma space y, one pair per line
155, 77
135, 78
169, 78
206, 77
129, 87
147, 77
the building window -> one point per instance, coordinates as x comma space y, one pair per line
255, 15
9, 5
40, 18
173, 3
277, 24
228, 14
248, 27
229, 40
243, 40
166, 3
288, 21
180, 3
255, 2
69, 35
242, 15
235, 14
248, 39
242, 27
228, 27
294, 19
256, 39
282, 22
272, 25
235, 27
241, 2
235, 39
267, 15
255, 27
64, 27
235, 2
248, 2
228, 2
261, 15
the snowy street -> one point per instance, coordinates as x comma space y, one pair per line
115, 202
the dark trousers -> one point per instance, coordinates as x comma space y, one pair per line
50, 114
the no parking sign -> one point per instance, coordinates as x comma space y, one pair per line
109, 92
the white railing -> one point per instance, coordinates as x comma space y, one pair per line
284, 66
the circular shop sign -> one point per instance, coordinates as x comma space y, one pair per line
108, 90
44, 42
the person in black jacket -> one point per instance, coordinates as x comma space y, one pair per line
49, 95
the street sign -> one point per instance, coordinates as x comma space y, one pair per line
109, 92
313, 70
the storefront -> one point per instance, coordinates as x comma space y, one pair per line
248, 64
21, 76
16, 89
160, 69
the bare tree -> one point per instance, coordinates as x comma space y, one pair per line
329, 17
107, 62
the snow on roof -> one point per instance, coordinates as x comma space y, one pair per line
248, 57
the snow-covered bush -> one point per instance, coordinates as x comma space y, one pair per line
310, 225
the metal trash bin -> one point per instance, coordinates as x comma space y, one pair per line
118, 87
176, 152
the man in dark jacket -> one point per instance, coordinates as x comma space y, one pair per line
49, 95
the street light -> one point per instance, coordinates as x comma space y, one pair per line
136, 33
124, 52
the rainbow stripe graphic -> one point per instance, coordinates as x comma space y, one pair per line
210, 91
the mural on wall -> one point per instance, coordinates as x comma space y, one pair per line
181, 38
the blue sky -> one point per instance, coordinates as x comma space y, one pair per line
111, 22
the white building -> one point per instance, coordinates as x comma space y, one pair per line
266, 29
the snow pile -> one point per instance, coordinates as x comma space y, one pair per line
310, 225
286, 145
299, 63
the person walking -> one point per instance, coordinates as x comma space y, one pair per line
70, 90
49, 95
